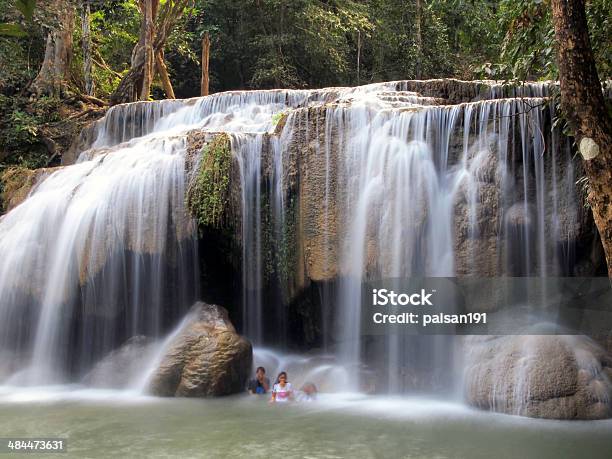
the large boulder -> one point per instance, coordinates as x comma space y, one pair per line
207, 357
552, 377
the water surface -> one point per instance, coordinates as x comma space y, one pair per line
110, 424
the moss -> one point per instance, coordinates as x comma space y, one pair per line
279, 245
208, 193
287, 250
278, 121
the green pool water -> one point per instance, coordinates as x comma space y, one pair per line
104, 424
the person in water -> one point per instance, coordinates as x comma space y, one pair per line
260, 384
282, 391
308, 392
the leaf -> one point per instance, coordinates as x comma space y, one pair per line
12, 30
26, 7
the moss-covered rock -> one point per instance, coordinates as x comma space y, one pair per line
208, 193
17, 182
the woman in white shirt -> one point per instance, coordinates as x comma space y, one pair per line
282, 391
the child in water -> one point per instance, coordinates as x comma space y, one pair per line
308, 392
282, 391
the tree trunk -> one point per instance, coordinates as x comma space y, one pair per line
160, 65
583, 103
130, 86
358, 54
55, 69
205, 59
419, 37
147, 27
89, 84
148, 54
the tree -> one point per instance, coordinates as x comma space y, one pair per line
87, 58
55, 69
205, 58
418, 37
583, 104
158, 21
521, 39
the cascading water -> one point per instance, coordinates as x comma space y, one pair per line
95, 255
406, 185
104, 249
419, 188
249, 148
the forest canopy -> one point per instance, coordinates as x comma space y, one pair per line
305, 43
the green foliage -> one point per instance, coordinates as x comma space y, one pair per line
114, 32
391, 52
20, 142
26, 8
527, 50
208, 194
115, 27
309, 43
599, 17
471, 30
527, 44
23, 120
20, 53
305, 41
25, 127
19, 64
12, 30
277, 118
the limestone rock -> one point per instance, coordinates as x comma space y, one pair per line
552, 377
206, 358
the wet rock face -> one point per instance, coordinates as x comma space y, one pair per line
487, 226
122, 122
476, 215
449, 89
206, 358
551, 377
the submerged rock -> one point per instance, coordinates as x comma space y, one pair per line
552, 377
123, 366
206, 358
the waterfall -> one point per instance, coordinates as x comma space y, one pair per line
104, 249
248, 150
96, 254
418, 184
336, 187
